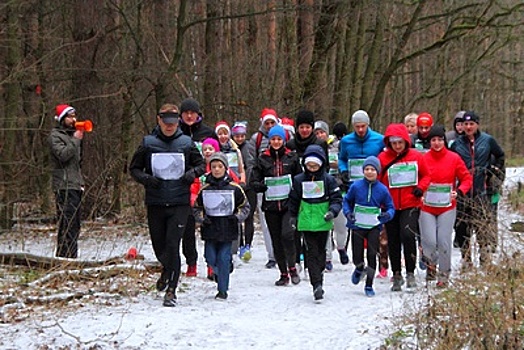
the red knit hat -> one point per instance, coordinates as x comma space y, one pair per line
222, 125
62, 111
424, 119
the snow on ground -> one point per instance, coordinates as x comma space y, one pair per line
257, 315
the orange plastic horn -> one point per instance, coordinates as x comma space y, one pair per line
86, 126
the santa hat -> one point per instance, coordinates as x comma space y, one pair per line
268, 113
289, 125
62, 111
222, 125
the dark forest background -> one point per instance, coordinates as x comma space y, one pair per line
117, 61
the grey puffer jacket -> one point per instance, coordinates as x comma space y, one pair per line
66, 152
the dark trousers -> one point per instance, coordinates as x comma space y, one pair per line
68, 215
247, 232
282, 239
402, 231
166, 228
476, 215
315, 255
357, 248
189, 248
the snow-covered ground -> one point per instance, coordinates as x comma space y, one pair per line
257, 315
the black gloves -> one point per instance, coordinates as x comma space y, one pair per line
259, 187
189, 176
384, 217
460, 193
417, 192
351, 218
152, 181
207, 220
293, 223
329, 216
345, 177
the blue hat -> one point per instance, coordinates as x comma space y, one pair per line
277, 130
373, 161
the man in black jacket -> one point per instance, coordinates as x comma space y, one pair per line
483, 156
166, 163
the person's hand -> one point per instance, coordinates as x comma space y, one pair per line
78, 134
345, 177
206, 221
259, 188
152, 182
351, 218
293, 223
384, 217
329, 216
417, 192
189, 176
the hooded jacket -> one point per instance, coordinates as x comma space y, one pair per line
312, 210
403, 197
446, 167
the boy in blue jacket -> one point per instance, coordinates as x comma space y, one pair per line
314, 201
220, 206
367, 206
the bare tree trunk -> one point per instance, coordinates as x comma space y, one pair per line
12, 100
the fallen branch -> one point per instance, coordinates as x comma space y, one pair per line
46, 263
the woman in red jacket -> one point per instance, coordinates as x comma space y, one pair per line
407, 177
439, 205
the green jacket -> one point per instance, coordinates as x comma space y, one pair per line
65, 159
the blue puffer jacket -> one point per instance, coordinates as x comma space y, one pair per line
354, 147
368, 194
479, 156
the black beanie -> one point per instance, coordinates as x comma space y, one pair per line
437, 130
340, 129
305, 117
189, 105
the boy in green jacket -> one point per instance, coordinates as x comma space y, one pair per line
314, 202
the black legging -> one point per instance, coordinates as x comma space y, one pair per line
166, 228
282, 239
315, 255
402, 231
357, 249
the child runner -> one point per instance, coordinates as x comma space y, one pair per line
272, 176
220, 206
367, 206
314, 202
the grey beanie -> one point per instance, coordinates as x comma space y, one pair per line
219, 156
373, 161
321, 125
360, 116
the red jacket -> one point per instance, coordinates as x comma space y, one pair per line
402, 196
446, 167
